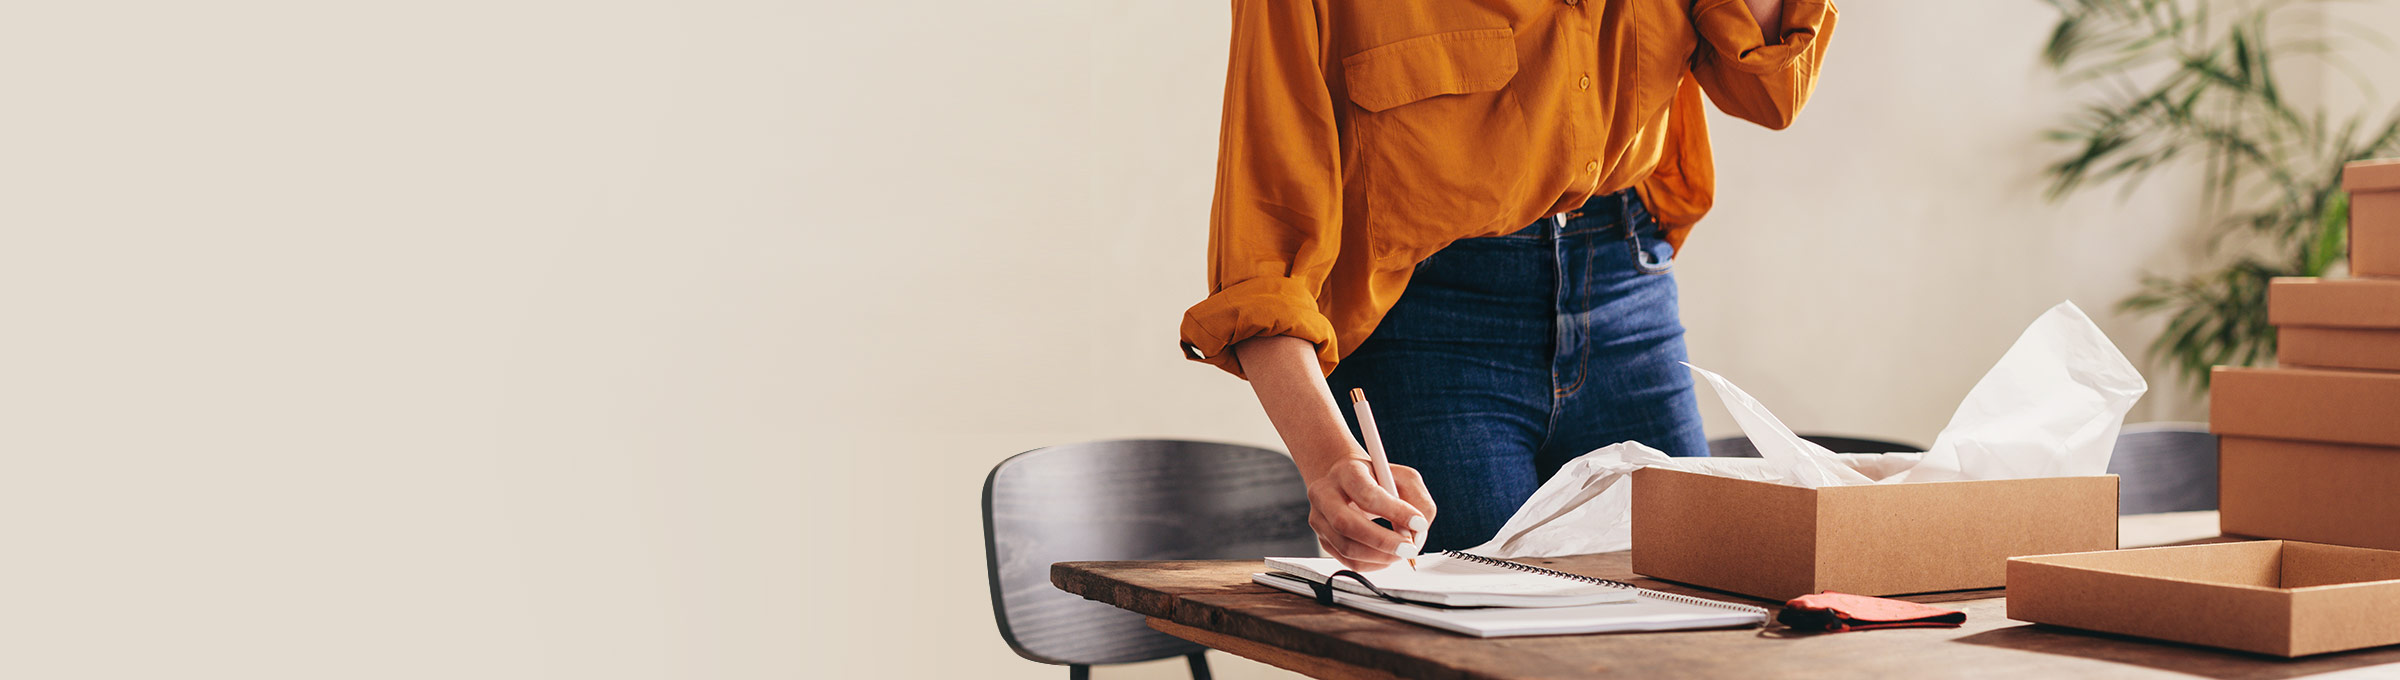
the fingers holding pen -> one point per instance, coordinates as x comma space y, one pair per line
1413, 491
1343, 506
1339, 537
1404, 516
1357, 525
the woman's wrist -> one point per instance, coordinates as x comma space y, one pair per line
1322, 452
1283, 371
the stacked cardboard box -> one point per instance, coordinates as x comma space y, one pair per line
2374, 188
2311, 451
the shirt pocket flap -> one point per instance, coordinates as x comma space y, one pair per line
1457, 62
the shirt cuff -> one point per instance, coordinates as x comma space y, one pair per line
1733, 32
1260, 307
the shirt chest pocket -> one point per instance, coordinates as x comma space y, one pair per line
1439, 141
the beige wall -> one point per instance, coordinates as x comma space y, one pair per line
643, 339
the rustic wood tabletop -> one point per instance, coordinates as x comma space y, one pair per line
1214, 603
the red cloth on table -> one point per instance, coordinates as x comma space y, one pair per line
1841, 612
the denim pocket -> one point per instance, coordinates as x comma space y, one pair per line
1650, 251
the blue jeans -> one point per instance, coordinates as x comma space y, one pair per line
1509, 356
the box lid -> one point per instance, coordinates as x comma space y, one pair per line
2337, 303
2382, 174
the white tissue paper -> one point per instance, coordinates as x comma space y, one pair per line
2050, 408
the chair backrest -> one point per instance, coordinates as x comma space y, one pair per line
1740, 447
2165, 467
1126, 500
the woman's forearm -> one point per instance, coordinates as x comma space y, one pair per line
1283, 371
1344, 497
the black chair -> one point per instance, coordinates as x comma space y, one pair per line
1127, 500
2165, 467
1739, 447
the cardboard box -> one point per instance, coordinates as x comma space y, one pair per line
2343, 407
2284, 598
1779, 542
2336, 323
2339, 303
2343, 494
2374, 188
2359, 348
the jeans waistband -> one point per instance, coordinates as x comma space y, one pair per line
1613, 213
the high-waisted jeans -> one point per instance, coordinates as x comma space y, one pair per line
1509, 356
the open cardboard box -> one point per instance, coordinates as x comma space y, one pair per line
2284, 598
1779, 542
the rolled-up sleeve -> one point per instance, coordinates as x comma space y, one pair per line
1759, 78
1275, 228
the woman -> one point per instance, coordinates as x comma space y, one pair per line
1468, 209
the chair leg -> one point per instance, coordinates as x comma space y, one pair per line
1199, 665
1079, 672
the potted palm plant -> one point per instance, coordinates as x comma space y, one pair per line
2194, 81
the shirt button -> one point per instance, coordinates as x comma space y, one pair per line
1592, 167
1584, 84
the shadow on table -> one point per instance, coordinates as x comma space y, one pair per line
2207, 662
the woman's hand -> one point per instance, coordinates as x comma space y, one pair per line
1343, 502
1343, 498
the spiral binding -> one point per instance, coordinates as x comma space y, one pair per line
1520, 566
1670, 597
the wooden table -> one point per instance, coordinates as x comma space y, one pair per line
1215, 604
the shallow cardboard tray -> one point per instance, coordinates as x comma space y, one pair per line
2284, 598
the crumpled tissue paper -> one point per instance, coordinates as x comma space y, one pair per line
2051, 407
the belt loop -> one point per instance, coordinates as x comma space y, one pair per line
1625, 211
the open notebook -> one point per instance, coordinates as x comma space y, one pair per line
1452, 581
1630, 609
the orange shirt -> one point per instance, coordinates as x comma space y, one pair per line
1360, 136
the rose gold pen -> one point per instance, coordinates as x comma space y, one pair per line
1382, 466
